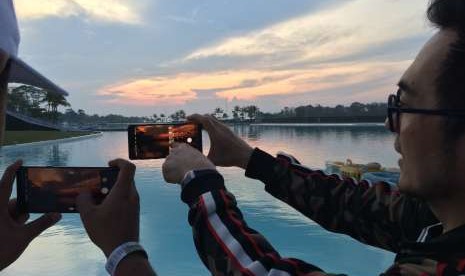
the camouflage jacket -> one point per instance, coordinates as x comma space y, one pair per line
374, 214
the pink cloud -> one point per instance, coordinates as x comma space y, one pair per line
248, 84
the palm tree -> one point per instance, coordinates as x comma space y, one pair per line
17, 100
178, 115
33, 98
236, 112
252, 111
218, 110
59, 100
53, 101
182, 114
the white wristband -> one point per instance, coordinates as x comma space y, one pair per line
120, 253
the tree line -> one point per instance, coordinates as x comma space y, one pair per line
36, 102
356, 109
39, 103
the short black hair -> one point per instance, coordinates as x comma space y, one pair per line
450, 14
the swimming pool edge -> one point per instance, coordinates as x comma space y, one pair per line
48, 142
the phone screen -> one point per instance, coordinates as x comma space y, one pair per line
154, 141
44, 189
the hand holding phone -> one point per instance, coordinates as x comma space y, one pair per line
227, 149
116, 220
54, 189
15, 233
184, 158
153, 141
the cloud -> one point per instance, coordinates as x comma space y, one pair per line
154, 91
120, 11
252, 85
333, 56
343, 30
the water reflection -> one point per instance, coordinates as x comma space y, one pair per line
66, 250
46, 155
58, 157
313, 145
251, 133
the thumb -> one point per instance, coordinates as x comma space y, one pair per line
84, 202
36, 227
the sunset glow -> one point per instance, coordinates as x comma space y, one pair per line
140, 57
246, 85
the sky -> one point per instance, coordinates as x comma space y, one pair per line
144, 57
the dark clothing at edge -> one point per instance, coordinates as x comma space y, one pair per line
377, 215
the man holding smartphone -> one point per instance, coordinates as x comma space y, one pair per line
422, 220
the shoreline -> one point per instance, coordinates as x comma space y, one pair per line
52, 141
320, 124
257, 123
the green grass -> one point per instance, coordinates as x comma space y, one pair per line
21, 137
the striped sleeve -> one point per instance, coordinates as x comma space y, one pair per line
373, 213
225, 243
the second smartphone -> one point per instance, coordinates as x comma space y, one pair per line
54, 189
153, 141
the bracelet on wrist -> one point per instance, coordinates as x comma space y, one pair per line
122, 252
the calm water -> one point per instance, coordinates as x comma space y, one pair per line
165, 233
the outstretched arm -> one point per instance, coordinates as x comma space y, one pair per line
227, 246
224, 242
374, 214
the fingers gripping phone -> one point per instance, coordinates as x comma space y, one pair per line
55, 189
153, 141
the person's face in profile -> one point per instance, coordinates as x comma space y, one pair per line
428, 168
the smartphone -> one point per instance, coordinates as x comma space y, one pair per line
54, 189
153, 141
